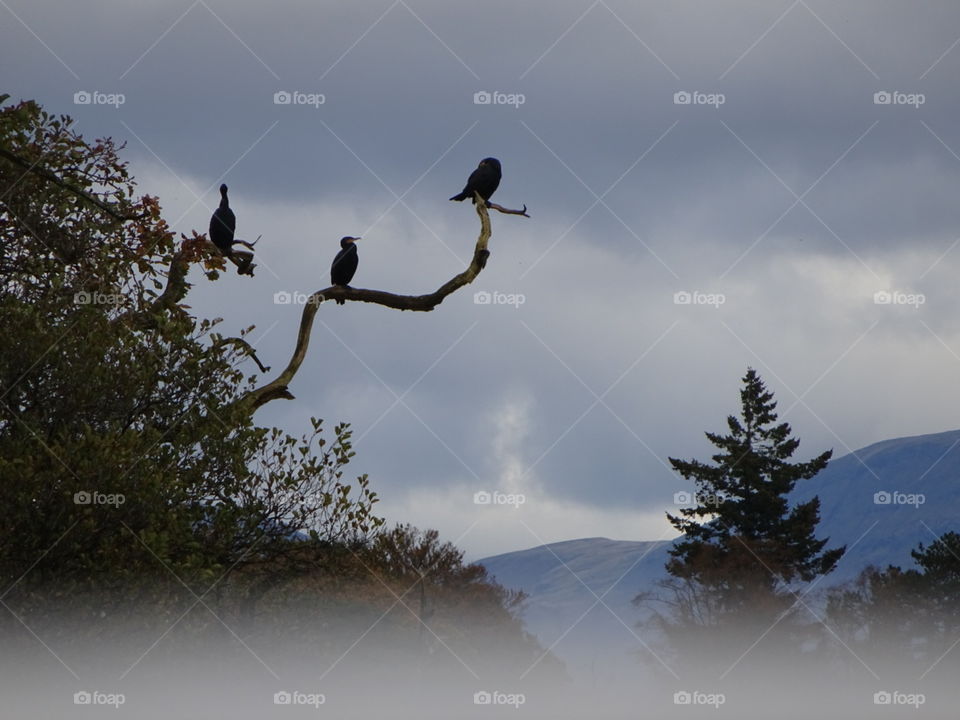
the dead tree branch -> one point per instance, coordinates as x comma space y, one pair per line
193, 250
278, 387
175, 290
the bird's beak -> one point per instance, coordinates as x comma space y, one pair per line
355, 239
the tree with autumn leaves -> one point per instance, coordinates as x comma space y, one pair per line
134, 482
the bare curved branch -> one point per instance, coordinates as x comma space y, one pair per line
278, 387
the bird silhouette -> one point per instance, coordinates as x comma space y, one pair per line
223, 224
344, 264
483, 180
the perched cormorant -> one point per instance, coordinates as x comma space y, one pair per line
483, 180
223, 224
345, 263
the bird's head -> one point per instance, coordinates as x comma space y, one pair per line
491, 162
347, 241
223, 189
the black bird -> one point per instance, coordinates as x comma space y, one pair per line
345, 263
223, 224
483, 180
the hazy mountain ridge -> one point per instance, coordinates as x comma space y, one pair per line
920, 476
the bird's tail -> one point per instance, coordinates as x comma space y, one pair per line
459, 197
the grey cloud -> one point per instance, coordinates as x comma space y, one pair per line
799, 304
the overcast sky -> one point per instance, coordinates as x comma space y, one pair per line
786, 188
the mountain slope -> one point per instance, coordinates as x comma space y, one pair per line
922, 468
920, 479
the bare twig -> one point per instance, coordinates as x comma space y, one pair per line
247, 348
507, 211
247, 244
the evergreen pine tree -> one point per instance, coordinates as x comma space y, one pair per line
744, 547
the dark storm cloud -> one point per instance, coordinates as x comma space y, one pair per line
398, 79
